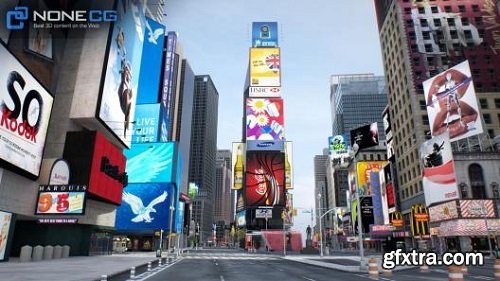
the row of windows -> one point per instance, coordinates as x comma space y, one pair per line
485, 105
447, 9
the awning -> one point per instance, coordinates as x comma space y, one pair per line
469, 227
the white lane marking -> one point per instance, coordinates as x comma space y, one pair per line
383, 278
280, 269
138, 278
221, 278
482, 277
308, 278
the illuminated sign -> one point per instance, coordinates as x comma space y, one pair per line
61, 199
264, 119
265, 67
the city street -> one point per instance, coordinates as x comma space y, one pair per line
228, 265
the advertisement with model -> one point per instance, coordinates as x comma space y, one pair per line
146, 206
264, 119
265, 179
439, 181
364, 137
121, 78
452, 103
264, 34
151, 162
265, 67
25, 107
5, 222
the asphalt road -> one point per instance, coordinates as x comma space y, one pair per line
238, 266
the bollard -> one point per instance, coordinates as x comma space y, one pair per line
464, 269
104, 277
386, 272
455, 273
149, 266
159, 262
497, 269
26, 252
132, 272
372, 267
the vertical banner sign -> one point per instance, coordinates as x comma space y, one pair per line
25, 107
378, 214
439, 181
121, 79
452, 103
146, 123
168, 72
389, 189
238, 164
383, 196
388, 133
419, 220
288, 165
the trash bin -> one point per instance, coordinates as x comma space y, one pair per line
158, 253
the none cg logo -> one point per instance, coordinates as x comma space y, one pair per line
16, 17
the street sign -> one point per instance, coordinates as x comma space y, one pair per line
264, 213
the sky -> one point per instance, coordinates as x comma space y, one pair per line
318, 38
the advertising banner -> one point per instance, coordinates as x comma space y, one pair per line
121, 78
389, 189
146, 206
264, 92
444, 211
364, 137
289, 165
192, 190
264, 119
61, 200
337, 145
265, 67
152, 50
264, 213
169, 71
438, 177
146, 126
264, 34
364, 170
179, 217
241, 219
240, 200
386, 117
5, 221
419, 220
383, 196
25, 107
265, 145
378, 210
477, 208
151, 162
452, 103
238, 165
265, 179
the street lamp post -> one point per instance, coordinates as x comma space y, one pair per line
172, 209
320, 226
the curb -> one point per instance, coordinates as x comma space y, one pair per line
125, 271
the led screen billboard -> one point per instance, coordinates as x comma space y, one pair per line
145, 206
147, 122
265, 67
265, 179
364, 170
122, 70
25, 107
439, 181
337, 145
378, 210
61, 200
264, 119
238, 165
170, 63
452, 103
264, 34
179, 216
241, 219
364, 137
5, 222
151, 162
152, 50
386, 117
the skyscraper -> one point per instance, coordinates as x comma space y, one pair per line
420, 39
223, 199
203, 151
355, 100
320, 181
184, 124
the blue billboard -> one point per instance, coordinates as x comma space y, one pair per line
152, 53
151, 162
179, 216
264, 34
147, 119
378, 215
145, 206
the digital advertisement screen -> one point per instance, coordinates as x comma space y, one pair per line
364, 170
364, 137
151, 162
121, 79
241, 219
147, 122
145, 206
265, 179
5, 222
338, 147
61, 200
265, 67
264, 34
238, 165
25, 107
264, 119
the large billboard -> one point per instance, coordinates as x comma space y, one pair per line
238, 165
386, 117
364, 137
452, 103
378, 210
264, 119
5, 222
121, 78
264, 34
61, 199
152, 50
145, 206
390, 191
338, 147
265, 67
383, 196
25, 107
147, 122
265, 178
288, 165
151, 162
443, 211
364, 170
439, 181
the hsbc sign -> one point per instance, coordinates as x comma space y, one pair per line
264, 92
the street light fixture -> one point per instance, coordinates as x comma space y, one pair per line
320, 226
172, 209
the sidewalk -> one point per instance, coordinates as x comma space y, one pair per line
342, 263
73, 268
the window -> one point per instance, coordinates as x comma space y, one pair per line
451, 21
437, 22
421, 10
475, 8
434, 9
411, 35
477, 181
479, 20
447, 9
408, 11
468, 34
425, 120
465, 21
487, 118
461, 8
453, 34
491, 133
426, 35
428, 48
483, 103
497, 103
423, 22
423, 106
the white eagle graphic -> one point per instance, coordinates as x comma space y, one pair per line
153, 36
141, 212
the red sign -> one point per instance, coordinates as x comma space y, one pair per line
184, 197
421, 217
390, 195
